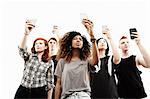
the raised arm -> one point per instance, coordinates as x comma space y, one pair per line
56, 33
145, 60
89, 26
29, 25
115, 51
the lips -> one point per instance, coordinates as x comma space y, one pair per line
78, 44
37, 48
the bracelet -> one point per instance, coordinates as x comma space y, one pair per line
93, 40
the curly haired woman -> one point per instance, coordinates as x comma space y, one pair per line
74, 64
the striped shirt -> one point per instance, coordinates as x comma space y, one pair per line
35, 73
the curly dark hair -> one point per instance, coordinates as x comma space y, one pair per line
45, 56
107, 50
65, 50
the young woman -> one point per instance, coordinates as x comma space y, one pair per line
103, 83
73, 67
37, 81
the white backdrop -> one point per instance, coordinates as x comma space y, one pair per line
119, 15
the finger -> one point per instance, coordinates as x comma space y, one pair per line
31, 25
87, 21
135, 33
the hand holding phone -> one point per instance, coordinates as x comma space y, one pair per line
105, 29
55, 29
31, 23
132, 35
83, 16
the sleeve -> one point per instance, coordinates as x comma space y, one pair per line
23, 53
59, 68
50, 76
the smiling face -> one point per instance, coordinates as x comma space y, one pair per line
77, 42
40, 46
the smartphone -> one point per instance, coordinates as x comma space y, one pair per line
131, 30
83, 16
55, 29
104, 29
32, 22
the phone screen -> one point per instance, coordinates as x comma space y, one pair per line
83, 16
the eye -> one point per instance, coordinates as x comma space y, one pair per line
36, 43
122, 42
74, 38
80, 39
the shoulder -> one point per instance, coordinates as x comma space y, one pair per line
61, 60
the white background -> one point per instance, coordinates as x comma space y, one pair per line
119, 15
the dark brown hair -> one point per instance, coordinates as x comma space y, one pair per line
123, 37
65, 50
52, 38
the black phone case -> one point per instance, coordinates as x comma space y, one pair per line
131, 32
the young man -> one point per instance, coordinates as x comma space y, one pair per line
129, 81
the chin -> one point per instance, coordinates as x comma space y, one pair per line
77, 48
126, 49
38, 51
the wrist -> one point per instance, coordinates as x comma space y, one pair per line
91, 36
138, 42
93, 39
26, 33
109, 38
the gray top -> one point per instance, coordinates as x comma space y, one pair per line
74, 76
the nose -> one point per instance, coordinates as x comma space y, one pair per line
78, 40
102, 42
37, 45
126, 43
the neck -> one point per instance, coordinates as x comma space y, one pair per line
102, 53
75, 54
125, 54
52, 53
40, 55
